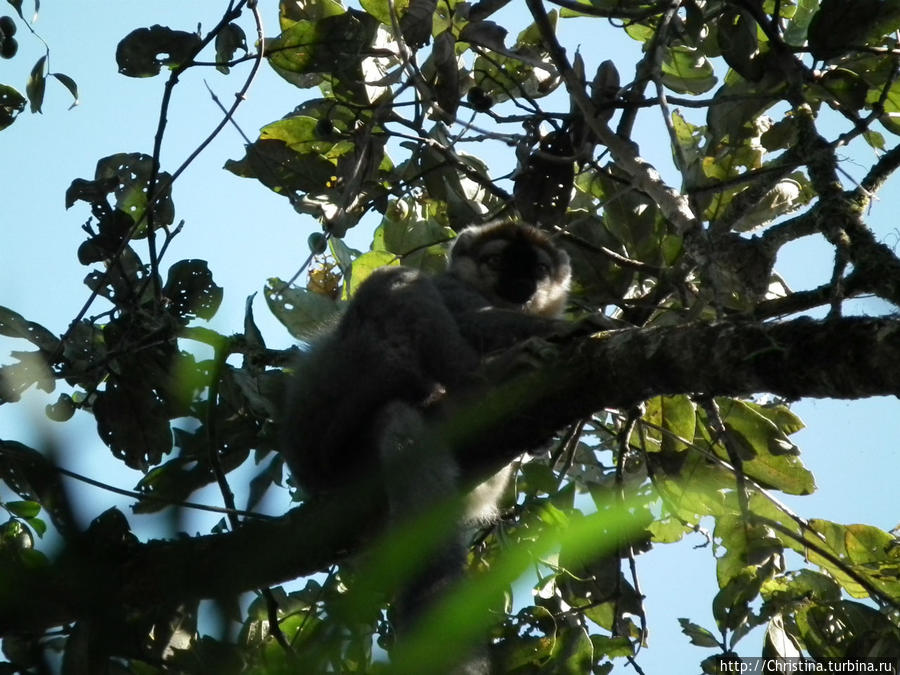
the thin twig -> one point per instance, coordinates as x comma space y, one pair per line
160, 499
714, 417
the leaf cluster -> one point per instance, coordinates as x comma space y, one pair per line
11, 101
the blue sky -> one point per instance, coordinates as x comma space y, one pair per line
248, 234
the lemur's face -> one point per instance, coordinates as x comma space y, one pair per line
513, 266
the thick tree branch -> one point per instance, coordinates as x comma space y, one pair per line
842, 358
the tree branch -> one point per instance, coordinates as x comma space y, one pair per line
671, 203
840, 219
841, 358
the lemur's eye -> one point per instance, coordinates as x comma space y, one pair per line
542, 270
494, 261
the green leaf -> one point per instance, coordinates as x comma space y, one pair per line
332, 48
37, 83
668, 530
303, 135
23, 509
698, 635
689, 138
745, 544
612, 647
769, 456
642, 32
539, 477
421, 244
780, 642
283, 170
796, 30
598, 277
875, 140
632, 219
838, 630
676, 416
367, 263
138, 54
890, 103
11, 104
32, 369
62, 410
738, 42
176, 479
124, 176
132, 421
309, 10
35, 479
69, 84
262, 481
868, 551
15, 325
736, 105
731, 606
574, 651
843, 86
552, 516
381, 9
785, 420
840, 25
301, 311
800, 586
687, 71
531, 35
17, 5
499, 75
313, 151
703, 494
38, 525
228, 41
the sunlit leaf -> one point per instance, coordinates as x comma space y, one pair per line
687, 71
698, 635
23, 509
302, 312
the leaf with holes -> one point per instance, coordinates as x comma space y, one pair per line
13, 324
138, 54
132, 421
228, 41
191, 289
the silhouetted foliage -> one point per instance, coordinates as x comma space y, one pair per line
678, 423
